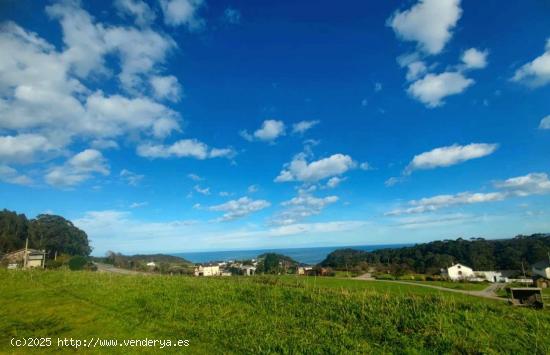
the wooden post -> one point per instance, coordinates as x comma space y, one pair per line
26, 255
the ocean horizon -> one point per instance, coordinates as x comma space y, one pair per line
312, 255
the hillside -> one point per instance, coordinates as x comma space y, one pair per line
481, 254
263, 315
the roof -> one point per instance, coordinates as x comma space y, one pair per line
31, 251
543, 264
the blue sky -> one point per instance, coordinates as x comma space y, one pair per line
181, 125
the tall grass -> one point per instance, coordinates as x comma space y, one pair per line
264, 314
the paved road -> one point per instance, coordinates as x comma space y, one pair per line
489, 292
116, 270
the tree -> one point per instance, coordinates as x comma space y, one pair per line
56, 234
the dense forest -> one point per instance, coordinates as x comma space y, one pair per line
478, 253
48, 232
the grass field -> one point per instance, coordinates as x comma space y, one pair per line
466, 286
262, 315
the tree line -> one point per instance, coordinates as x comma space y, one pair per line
428, 258
52, 233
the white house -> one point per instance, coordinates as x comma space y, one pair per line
151, 264
248, 270
542, 268
207, 270
458, 272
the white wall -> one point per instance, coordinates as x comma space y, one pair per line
460, 272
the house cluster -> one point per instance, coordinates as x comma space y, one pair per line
25, 258
459, 272
226, 269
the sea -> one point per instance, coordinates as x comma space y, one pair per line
303, 255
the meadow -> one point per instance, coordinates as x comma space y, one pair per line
305, 315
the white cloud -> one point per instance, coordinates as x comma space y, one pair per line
474, 58
302, 126
104, 144
270, 130
450, 155
166, 87
433, 88
11, 176
440, 201
203, 191
138, 204
142, 13
429, 23
239, 208
334, 182
194, 177
545, 123
130, 177
315, 228
530, 184
300, 170
253, 188
25, 148
365, 166
302, 206
77, 169
182, 12
232, 16
537, 72
415, 70
190, 148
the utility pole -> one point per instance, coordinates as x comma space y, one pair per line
26, 253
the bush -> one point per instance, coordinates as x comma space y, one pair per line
53, 264
77, 263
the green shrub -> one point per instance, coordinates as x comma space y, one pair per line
77, 263
53, 264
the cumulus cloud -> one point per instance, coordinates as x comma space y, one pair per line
202, 190
300, 170
334, 182
194, 177
184, 148
302, 206
270, 130
138, 204
25, 148
131, 178
253, 188
182, 13
530, 184
537, 72
12, 176
78, 169
239, 208
429, 23
232, 16
474, 58
166, 87
433, 88
545, 123
303, 126
450, 155
141, 12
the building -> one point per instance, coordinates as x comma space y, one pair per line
151, 264
542, 268
247, 270
458, 272
26, 258
207, 270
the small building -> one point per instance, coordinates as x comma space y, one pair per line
207, 270
26, 258
303, 270
542, 268
458, 272
247, 270
151, 264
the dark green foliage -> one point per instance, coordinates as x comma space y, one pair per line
165, 263
48, 232
478, 253
272, 263
77, 263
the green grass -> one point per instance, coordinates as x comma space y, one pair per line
466, 286
302, 315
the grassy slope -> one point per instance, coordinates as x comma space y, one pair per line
467, 286
252, 315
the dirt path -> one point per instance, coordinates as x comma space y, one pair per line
488, 292
110, 268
